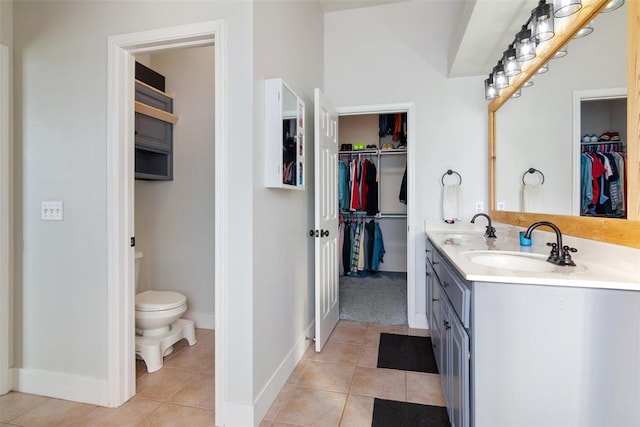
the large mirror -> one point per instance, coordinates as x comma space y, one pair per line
540, 132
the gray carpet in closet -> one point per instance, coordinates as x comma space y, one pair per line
378, 298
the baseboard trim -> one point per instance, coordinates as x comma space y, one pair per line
238, 414
270, 391
202, 320
421, 321
61, 386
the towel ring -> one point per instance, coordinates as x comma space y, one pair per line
532, 170
450, 172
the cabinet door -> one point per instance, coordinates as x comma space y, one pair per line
445, 340
435, 323
153, 133
459, 374
429, 292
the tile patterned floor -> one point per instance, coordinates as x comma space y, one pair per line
337, 386
333, 388
180, 394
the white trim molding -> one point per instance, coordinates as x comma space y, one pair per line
6, 223
120, 166
272, 388
61, 386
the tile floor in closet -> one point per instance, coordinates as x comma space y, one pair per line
333, 388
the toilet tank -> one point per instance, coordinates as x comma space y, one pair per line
138, 260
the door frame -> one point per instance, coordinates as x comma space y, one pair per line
409, 108
6, 224
120, 207
578, 97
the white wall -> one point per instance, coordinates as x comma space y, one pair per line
536, 130
174, 219
288, 44
6, 22
61, 113
398, 53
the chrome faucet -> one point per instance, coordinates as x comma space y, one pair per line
556, 256
490, 231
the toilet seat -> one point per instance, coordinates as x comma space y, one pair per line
159, 300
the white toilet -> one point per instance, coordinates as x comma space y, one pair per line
158, 323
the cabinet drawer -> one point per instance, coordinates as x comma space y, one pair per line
456, 290
433, 257
153, 98
153, 133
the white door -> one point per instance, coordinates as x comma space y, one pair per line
326, 222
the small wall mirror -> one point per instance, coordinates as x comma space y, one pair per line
284, 132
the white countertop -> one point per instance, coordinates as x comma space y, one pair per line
598, 264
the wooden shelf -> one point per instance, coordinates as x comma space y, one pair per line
156, 113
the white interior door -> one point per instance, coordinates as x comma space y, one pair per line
326, 221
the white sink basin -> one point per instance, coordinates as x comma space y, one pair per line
519, 261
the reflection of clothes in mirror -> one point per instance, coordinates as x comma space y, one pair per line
602, 182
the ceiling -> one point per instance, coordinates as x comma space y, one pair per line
485, 29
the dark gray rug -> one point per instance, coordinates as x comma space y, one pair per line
407, 353
377, 298
389, 413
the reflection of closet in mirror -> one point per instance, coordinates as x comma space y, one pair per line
601, 190
284, 134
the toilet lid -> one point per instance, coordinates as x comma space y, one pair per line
159, 300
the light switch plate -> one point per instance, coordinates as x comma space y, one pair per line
52, 210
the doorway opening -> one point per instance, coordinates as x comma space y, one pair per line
121, 280
174, 203
599, 153
377, 287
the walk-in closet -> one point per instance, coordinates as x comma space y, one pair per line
603, 157
372, 181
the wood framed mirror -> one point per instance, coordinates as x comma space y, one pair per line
613, 230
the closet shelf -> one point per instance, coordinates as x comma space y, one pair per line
376, 152
156, 113
363, 214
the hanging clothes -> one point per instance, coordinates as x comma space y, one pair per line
403, 188
602, 180
371, 179
361, 247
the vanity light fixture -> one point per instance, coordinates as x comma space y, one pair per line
528, 83
490, 91
542, 21
500, 79
543, 68
516, 94
510, 62
560, 53
564, 8
612, 5
525, 45
584, 31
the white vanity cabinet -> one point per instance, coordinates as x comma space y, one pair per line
284, 136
